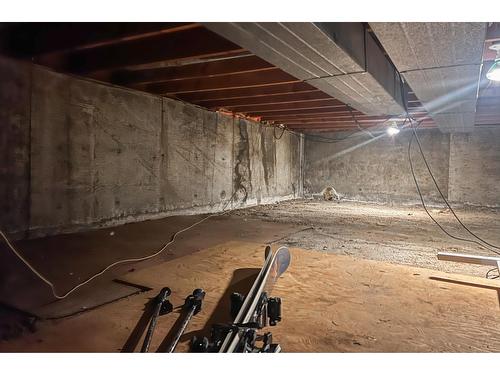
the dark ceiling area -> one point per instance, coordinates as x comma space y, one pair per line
187, 61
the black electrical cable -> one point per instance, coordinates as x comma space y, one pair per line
494, 277
444, 198
405, 104
422, 199
281, 135
357, 122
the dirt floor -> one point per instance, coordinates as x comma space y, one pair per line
341, 292
395, 234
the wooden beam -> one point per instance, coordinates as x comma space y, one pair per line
288, 97
273, 76
336, 114
33, 39
322, 125
184, 44
201, 69
330, 120
341, 125
273, 107
246, 92
313, 116
270, 114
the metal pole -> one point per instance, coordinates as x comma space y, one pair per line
192, 306
161, 300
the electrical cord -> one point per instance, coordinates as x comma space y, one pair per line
493, 277
422, 199
140, 259
281, 135
444, 198
414, 135
357, 123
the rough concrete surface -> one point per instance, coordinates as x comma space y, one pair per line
466, 167
99, 155
475, 168
95, 152
14, 145
378, 171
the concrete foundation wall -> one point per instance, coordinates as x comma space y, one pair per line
15, 98
378, 171
466, 167
77, 154
475, 168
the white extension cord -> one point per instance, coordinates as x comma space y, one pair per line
52, 287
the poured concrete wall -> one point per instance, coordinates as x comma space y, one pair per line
14, 146
95, 152
378, 171
78, 154
475, 167
466, 167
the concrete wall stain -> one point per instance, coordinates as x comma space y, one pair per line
242, 172
268, 147
103, 155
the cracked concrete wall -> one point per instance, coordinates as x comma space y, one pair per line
265, 167
78, 154
378, 171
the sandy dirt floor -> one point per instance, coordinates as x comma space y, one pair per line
396, 234
347, 288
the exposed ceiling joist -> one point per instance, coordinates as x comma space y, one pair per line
271, 76
185, 44
40, 38
238, 64
290, 97
247, 92
188, 62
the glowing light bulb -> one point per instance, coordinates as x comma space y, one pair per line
392, 131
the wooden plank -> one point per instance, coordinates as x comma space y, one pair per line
32, 39
185, 44
273, 76
289, 97
330, 115
197, 70
308, 104
270, 114
326, 117
246, 92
